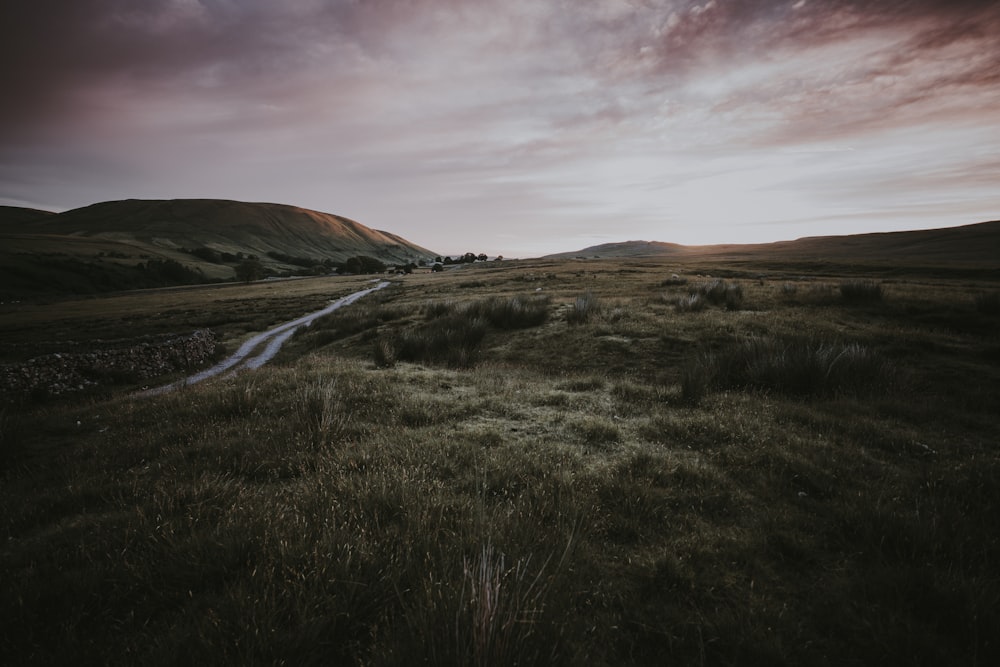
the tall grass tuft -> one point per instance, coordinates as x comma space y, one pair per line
481, 613
795, 368
501, 609
861, 291
384, 353
452, 333
715, 292
696, 380
453, 340
987, 303
692, 303
9, 436
585, 307
516, 312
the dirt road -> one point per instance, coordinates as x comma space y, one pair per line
271, 341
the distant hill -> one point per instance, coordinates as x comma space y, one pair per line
624, 249
16, 215
975, 245
139, 243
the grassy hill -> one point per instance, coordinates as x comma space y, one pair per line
624, 249
11, 216
101, 247
968, 245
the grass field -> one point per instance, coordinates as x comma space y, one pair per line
544, 462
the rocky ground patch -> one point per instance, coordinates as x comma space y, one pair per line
107, 362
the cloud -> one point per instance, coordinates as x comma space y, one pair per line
494, 110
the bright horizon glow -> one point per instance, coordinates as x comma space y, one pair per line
518, 128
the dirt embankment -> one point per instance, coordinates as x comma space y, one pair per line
106, 363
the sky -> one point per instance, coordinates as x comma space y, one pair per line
515, 127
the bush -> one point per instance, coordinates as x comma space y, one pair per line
585, 307
861, 291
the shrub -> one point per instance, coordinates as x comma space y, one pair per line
861, 291
585, 307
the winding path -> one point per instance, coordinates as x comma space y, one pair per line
271, 340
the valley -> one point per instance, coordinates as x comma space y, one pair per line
616, 461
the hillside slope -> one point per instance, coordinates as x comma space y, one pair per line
624, 249
230, 226
100, 247
13, 216
975, 245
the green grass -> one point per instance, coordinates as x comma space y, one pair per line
829, 495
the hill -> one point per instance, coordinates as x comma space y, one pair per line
145, 243
11, 216
968, 245
624, 249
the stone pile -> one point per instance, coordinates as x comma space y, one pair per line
63, 372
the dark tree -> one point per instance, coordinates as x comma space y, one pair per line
249, 270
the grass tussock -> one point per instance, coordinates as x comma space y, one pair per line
715, 292
452, 333
517, 312
452, 340
987, 303
585, 308
795, 368
691, 303
861, 291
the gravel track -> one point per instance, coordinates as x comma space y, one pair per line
271, 341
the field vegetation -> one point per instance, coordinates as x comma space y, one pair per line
538, 462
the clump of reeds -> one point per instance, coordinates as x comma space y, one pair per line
585, 307
795, 368
861, 291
